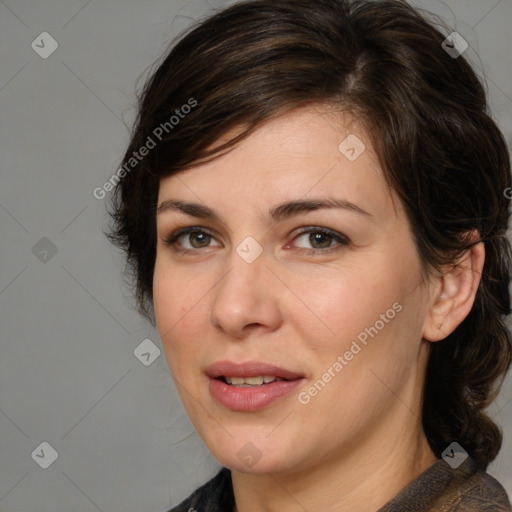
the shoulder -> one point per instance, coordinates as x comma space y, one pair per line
481, 493
216, 495
441, 488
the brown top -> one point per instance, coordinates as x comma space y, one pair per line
438, 489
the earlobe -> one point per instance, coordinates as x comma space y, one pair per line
455, 292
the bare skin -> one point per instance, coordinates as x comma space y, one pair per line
358, 442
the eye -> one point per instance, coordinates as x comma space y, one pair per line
196, 237
321, 240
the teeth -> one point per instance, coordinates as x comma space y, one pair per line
251, 381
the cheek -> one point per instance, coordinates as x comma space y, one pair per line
333, 308
178, 301
376, 324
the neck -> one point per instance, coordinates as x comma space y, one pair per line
360, 480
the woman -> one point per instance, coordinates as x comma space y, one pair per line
313, 207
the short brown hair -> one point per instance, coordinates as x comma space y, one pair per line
427, 116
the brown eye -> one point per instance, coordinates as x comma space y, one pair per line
201, 238
321, 240
194, 237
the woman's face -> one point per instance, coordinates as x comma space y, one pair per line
328, 298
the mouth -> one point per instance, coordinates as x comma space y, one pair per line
250, 386
252, 373
250, 382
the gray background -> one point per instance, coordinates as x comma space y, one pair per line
68, 373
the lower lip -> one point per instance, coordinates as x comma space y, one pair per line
251, 399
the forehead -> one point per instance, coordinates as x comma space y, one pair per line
308, 152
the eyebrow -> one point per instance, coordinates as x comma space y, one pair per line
277, 213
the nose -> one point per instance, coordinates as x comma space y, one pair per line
246, 298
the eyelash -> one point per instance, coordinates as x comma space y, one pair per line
338, 237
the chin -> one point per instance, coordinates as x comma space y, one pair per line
259, 467
252, 454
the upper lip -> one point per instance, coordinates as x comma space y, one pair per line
249, 369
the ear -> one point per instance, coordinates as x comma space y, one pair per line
454, 293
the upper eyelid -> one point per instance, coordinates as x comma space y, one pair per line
337, 236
